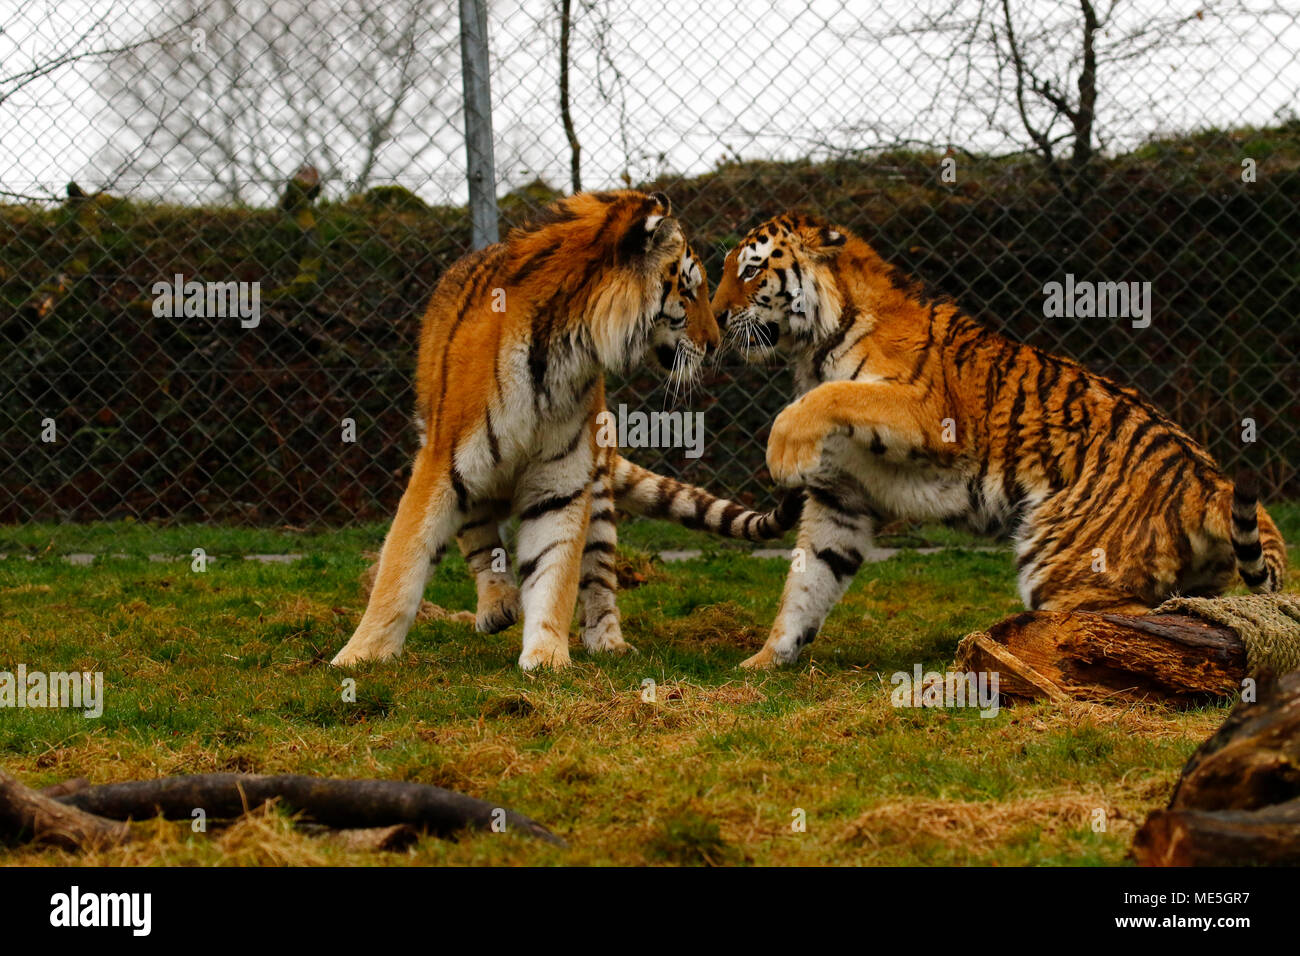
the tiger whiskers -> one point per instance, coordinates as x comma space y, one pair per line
746, 331
681, 377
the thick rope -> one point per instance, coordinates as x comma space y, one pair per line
1268, 624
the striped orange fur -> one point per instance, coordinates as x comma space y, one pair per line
627, 486
908, 408
509, 381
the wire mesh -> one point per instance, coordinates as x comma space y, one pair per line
313, 154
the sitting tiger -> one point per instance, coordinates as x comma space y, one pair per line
509, 381
907, 408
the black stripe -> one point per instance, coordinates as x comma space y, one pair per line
1247, 553
458, 486
553, 503
573, 443
526, 568
476, 281
661, 505
492, 437
702, 505
924, 352
841, 565
1102, 473
1253, 580
727, 519
538, 347
1011, 452
534, 262
828, 499
1245, 524
834, 340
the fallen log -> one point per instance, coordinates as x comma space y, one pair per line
1062, 655
1266, 837
1237, 801
342, 804
26, 815
375, 839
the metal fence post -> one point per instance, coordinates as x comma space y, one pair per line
480, 170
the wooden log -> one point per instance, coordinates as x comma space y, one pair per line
1237, 801
1253, 760
345, 804
1266, 837
26, 814
376, 839
1063, 655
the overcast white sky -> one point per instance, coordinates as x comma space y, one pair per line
680, 85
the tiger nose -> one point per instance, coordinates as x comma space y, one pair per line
722, 317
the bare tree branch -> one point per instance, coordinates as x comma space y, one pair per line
566, 116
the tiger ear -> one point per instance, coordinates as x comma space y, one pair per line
823, 242
653, 220
667, 239
831, 237
656, 236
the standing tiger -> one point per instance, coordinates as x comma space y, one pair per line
907, 408
509, 381
629, 487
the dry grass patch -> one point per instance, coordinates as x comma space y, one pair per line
966, 824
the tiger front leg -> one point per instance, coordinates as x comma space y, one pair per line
880, 416
554, 499
834, 532
598, 590
480, 542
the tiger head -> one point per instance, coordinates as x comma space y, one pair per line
778, 290
684, 331
641, 287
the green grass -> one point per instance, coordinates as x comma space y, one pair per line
226, 670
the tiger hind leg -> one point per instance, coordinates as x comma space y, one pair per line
1051, 589
598, 590
480, 542
426, 518
1095, 600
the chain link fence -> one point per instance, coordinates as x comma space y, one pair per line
306, 163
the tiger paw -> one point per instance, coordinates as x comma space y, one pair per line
614, 647
550, 656
606, 637
761, 661
794, 449
497, 615
365, 646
